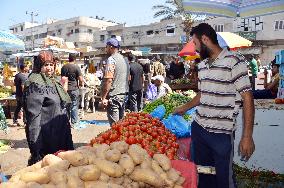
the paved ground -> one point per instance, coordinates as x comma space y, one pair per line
16, 158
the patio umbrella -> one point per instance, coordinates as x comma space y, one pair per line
232, 8
10, 42
225, 39
232, 40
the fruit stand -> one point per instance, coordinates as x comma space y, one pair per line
183, 84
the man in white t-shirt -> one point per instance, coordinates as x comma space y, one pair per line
162, 88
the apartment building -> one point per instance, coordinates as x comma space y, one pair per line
79, 30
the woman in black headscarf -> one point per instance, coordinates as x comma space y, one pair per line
47, 126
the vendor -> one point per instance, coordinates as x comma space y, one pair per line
270, 89
162, 88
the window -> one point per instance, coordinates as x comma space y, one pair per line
219, 28
28, 38
77, 31
135, 33
16, 29
42, 35
59, 31
102, 38
170, 29
71, 32
90, 31
279, 25
150, 33
36, 36
53, 34
157, 32
113, 36
250, 24
22, 28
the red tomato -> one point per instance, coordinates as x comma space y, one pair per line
131, 140
106, 135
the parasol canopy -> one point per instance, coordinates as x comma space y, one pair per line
225, 39
10, 42
232, 8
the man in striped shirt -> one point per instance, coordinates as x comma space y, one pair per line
223, 85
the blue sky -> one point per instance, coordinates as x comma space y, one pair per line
133, 12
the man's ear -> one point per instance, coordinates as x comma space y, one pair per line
204, 39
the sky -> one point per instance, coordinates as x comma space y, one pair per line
133, 12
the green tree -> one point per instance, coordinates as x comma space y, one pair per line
173, 9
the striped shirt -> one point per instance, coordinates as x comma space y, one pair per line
220, 85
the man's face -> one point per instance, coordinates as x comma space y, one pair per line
157, 83
108, 49
274, 70
201, 48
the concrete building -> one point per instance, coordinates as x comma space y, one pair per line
161, 37
79, 30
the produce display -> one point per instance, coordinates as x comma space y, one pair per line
5, 92
181, 81
117, 165
141, 129
170, 101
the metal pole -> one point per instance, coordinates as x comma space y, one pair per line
32, 20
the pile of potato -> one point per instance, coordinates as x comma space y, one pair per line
118, 165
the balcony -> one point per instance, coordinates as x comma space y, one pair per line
250, 35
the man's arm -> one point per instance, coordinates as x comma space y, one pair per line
106, 87
80, 79
194, 102
247, 147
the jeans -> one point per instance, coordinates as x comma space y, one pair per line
215, 150
18, 109
135, 100
252, 80
115, 108
263, 94
73, 108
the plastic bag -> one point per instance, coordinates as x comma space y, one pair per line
159, 112
191, 111
183, 152
178, 126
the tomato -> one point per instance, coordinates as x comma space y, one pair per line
175, 145
131, 140
113, 137
106, 135
143, 128
154, 134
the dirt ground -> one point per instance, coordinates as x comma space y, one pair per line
16, 158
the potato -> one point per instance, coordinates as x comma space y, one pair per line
89, 173
178, 186
135, 185
101, 150
147, 176
19, 184
156, 167
87, 148
58, 178
113, 155
118, 181
173, 175
110, 168
163, 161
49, 160
73, 171
74, 182
142, 184
168, 182
180, 180
99, 184
104, 177
136, 153
126, 163
76, 158
37, 176
89, 153
122, 146
62, 185
127, 180
33, 185
146, 164
49, 186
62, 165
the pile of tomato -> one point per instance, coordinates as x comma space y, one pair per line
142, 129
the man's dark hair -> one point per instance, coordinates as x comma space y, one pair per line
22, 66
131, 57
273, 63
204, 29
72, 57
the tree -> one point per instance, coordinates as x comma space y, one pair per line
173, 9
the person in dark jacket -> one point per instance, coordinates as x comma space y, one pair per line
47, 126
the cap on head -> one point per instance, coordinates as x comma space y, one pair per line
159, 77
113, 42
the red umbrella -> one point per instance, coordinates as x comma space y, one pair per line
188, 50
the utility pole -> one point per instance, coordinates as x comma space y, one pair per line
32, 14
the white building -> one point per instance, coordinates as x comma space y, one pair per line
79, 30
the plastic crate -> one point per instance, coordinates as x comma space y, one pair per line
279, 57
281, 70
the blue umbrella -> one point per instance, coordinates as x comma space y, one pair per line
10, 42
232, 8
